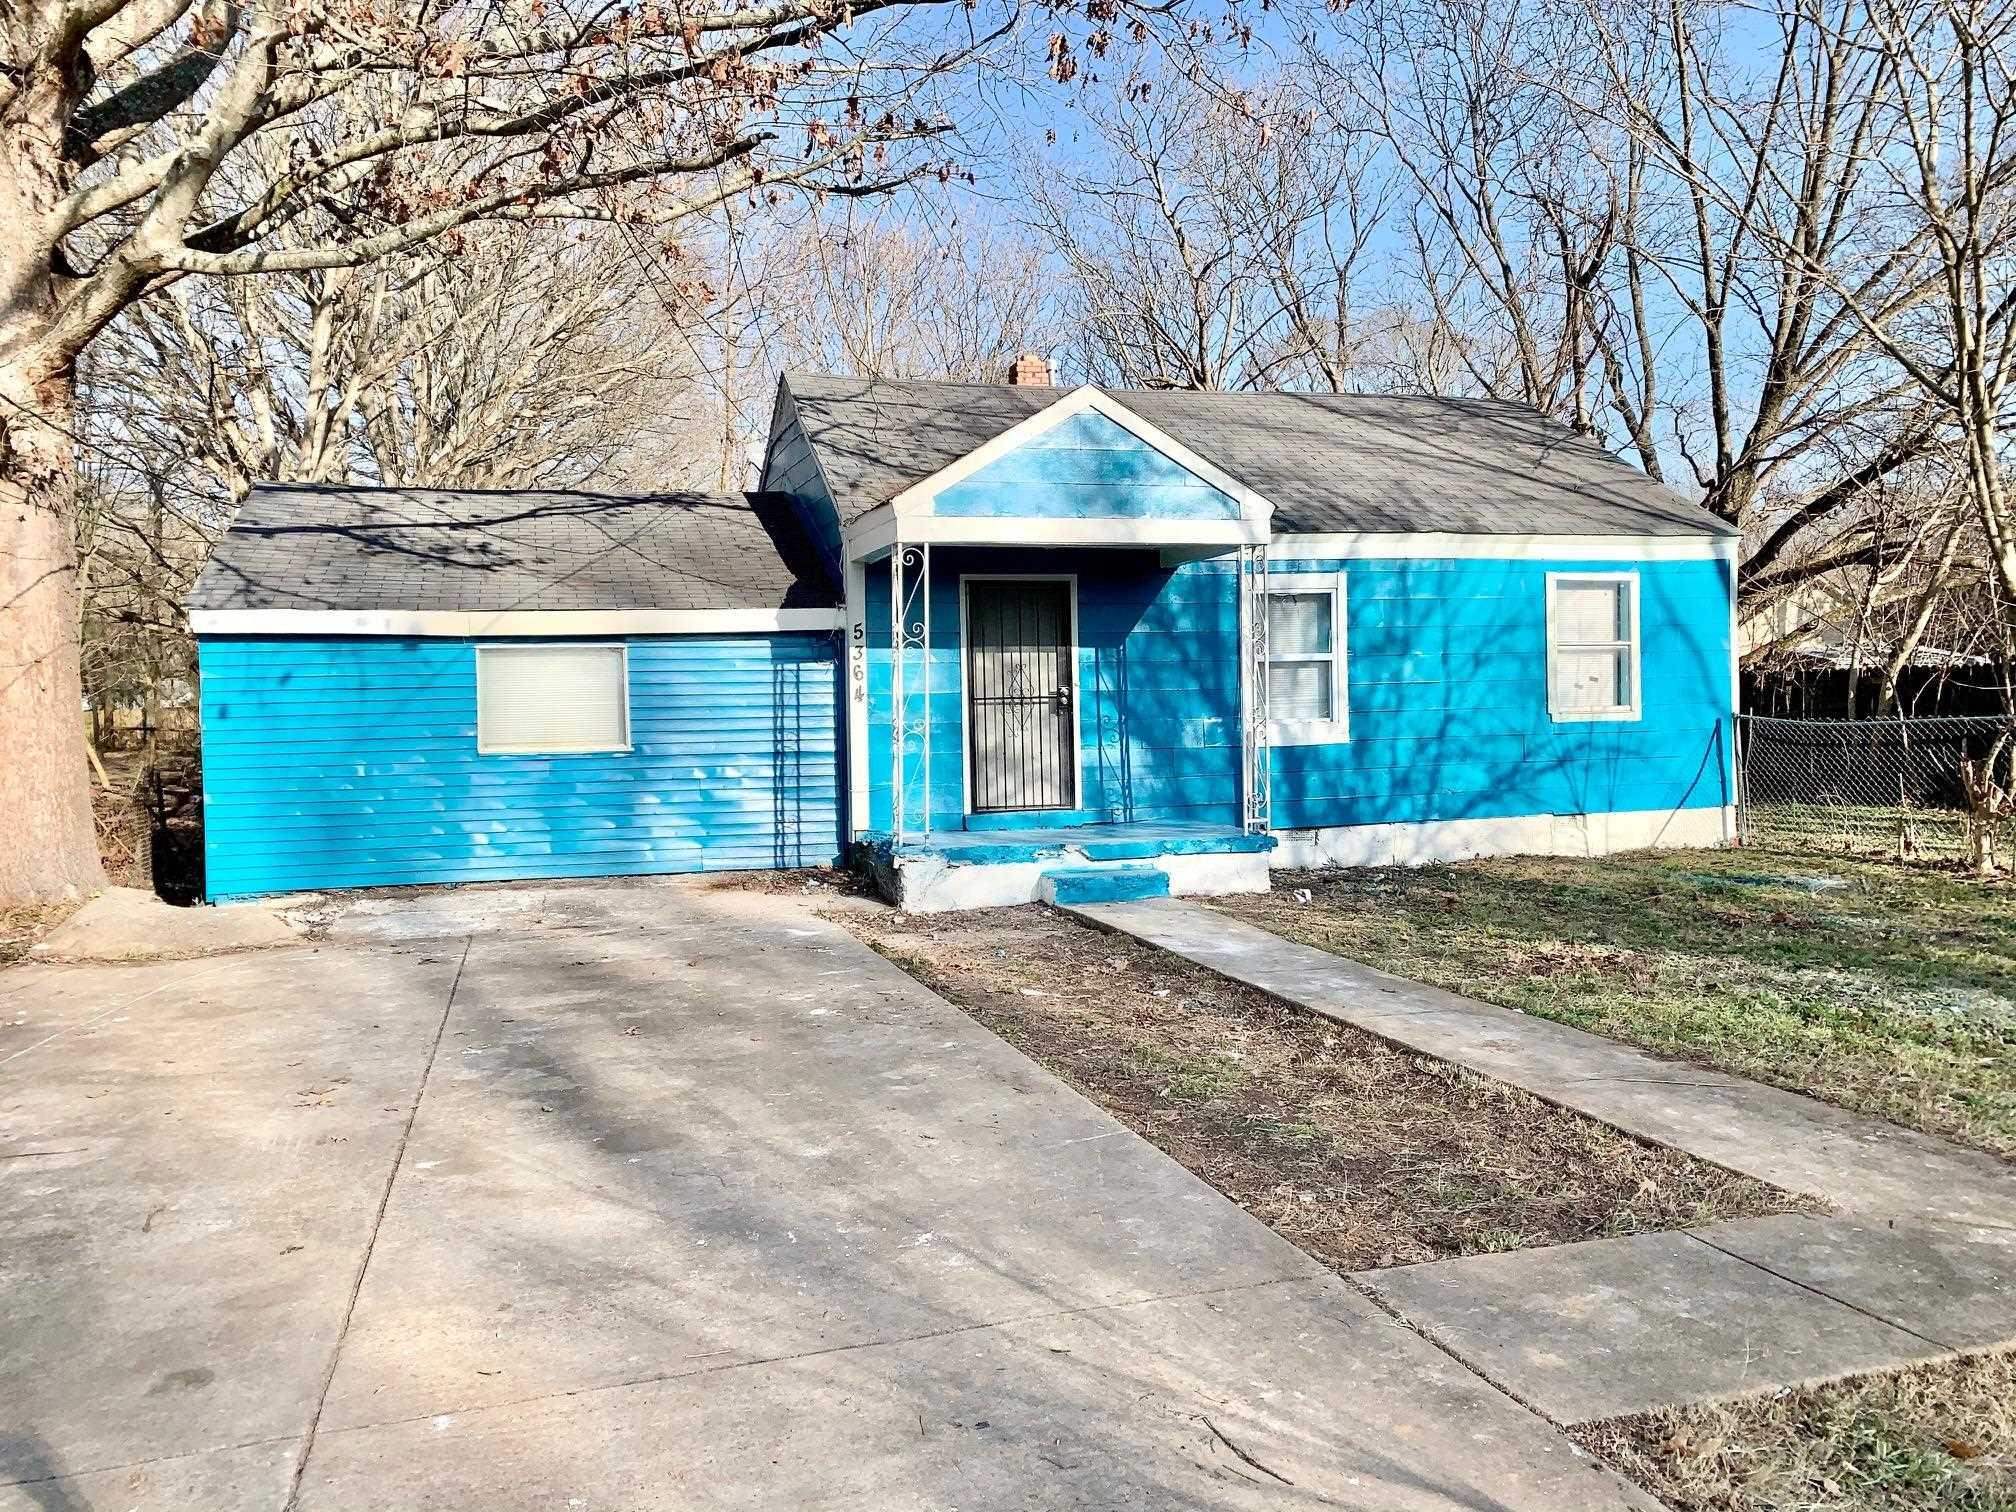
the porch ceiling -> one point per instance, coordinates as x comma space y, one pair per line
873, 536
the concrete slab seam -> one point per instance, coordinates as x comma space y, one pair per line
659, 1378
1939, 1344
153, 1459
1392, 1310
118, 1007
371, 1240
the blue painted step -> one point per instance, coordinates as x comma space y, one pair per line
1067, 885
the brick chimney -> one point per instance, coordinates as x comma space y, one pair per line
1029, 369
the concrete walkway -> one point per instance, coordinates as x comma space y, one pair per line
1920, 1264
648, 1197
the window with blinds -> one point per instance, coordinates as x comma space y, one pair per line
1306, 692
552, 700
1592, 646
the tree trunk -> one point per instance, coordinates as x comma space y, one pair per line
48, 840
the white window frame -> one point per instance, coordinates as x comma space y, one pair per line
621, 647
1336, 729
1631, 710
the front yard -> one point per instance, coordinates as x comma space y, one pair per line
1361, 1154
1884, 988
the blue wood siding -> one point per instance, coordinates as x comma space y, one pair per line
1157, 678
353, 763
1447, 665
1447, 675
790, 468
1086, 467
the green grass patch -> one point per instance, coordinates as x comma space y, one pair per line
1886, 988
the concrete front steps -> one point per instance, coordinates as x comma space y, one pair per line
1071, 886
988, 865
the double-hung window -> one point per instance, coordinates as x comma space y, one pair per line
1308, 698
1592, 645
552, 700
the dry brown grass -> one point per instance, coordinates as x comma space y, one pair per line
1939, 1438
803, 881
1361, 1154
22, 926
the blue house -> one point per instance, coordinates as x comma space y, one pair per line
997, 642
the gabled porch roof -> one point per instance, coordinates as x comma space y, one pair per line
1083, 470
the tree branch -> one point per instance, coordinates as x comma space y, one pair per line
153, 95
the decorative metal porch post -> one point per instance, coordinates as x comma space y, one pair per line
909, 629
1253, 583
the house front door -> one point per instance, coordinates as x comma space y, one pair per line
1021, 715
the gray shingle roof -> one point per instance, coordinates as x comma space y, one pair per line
1327, 462
341, 547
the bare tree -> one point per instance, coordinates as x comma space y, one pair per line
1944, 156
884, 299
1212, 242
1504, 210
1602, 242
120, 125
528, 357
1875, 198
854, 289
139, 548
1769, 154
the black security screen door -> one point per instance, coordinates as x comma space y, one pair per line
1019, 687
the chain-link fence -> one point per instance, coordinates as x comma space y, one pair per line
1897, 787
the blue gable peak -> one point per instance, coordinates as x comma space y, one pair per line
1087, 466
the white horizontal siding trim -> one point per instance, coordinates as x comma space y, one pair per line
461, 624
1438, 544
871, 536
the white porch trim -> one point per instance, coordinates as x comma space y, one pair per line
873, 533
857, 699
919, 496
460, 624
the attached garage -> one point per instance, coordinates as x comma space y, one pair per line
417, 686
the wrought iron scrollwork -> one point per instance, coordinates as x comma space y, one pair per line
909, 630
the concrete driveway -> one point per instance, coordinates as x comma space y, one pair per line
651, 1197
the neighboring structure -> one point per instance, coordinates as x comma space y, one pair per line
1825, 649
1096, 644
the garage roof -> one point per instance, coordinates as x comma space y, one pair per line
304, 546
